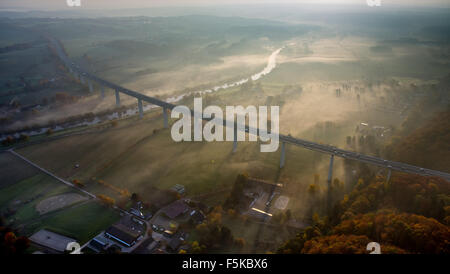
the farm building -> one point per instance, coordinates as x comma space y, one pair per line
51, 240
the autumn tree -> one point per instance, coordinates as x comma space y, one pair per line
10, 243
408, 231
106, 200
343, 244
234, 199
78, 183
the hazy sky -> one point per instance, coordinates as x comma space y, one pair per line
114, 4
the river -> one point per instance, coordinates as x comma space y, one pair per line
271, 64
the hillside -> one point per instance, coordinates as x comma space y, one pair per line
408, 214
428, 146
411, 214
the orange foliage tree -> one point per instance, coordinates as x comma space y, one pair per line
106, 200
409, 231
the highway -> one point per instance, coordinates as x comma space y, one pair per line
331, 150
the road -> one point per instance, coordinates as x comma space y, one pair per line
51, 174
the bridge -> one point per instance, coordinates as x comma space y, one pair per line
85, 76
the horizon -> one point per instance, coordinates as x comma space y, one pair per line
61, 5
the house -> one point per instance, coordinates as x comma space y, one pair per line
175, 209
121, 233
159, 251
161, 223
197, 216
137, 213
146, 247
98, 244
174, 244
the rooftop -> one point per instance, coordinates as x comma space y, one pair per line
51, 240
122, 233
175, 209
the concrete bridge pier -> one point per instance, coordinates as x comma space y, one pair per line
166, 118
102, 90
90, 86
283, 152
117, 98
330, 177
388, 176
235, 139
141, 109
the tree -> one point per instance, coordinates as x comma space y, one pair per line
239, 242
197, 248
77, 183
234, 198
312, 190
134, 197
225, 236
114, 249
106, 200
288, 215
182, 251
343, 244
23, 137
292, 246
21, 244
124, 192
9, 242
231, 212
410, 232
9, 140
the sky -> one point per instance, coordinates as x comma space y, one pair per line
125, 4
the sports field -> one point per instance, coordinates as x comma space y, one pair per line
31, 200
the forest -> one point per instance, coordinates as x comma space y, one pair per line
407, 214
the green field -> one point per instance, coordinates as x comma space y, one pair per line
14, 170
24, 195
24, 187
81, 222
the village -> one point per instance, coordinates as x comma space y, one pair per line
168, 229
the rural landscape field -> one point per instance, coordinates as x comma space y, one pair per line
87, 154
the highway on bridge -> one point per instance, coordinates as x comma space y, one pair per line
334, 151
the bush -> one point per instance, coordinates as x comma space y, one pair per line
78, 183
106, 200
